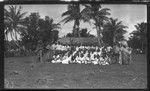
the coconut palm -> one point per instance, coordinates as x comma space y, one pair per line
98, 14
73, 14
140, 33
13, 21
114, 30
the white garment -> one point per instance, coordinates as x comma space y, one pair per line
95, 61
101, 59
86, 54
99, 53
66, 61
78, 61
92, 56
57, 56
109, 48
53, 61
96, 53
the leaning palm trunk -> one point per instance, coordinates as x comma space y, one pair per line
74, 30
77, 24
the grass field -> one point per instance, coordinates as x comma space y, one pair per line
19, 73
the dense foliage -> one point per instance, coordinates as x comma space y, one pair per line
33, 29
113, 31
138, 38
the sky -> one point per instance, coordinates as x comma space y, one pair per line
129, 14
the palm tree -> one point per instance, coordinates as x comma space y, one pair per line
140, 33
13, 21
98, 14
48, 28
53, 27
115, 30
73, 14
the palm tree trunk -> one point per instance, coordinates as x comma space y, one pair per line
114, 39
98, 35
78, 21
52, 37
78, 30
74, 27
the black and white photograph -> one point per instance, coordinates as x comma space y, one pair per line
75, 46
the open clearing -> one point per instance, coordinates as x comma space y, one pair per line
19, 73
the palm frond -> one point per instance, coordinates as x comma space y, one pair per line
56, 26
87, 6
12, 19
104, 11
66, 13
67, 19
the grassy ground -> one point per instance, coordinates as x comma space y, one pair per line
19, 73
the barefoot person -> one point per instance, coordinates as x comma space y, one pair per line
125, 53
39, 50
116, 54
50, 53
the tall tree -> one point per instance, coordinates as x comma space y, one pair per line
13, 21
73, 14
114, 31
48, 30
31, 37
140, 35
98, 14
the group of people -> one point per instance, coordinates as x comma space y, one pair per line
105, 55
84, 54
122, 53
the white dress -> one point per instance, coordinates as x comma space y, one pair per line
92, 56
77, 60
58, 61
66, 61
54, 61
95, 61
109, 48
